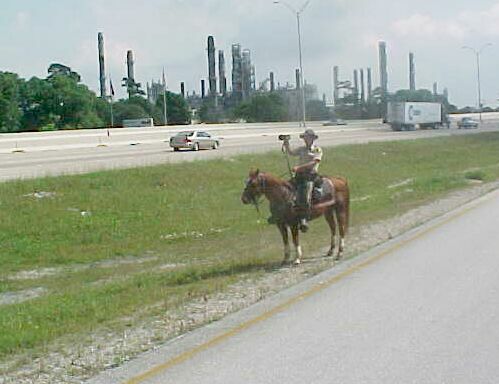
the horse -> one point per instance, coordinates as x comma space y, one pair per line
281, 196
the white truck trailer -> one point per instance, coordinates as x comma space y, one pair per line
408, 115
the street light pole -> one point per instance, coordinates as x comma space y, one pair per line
477, 53
298, 24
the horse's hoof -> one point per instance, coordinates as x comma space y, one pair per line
297, 262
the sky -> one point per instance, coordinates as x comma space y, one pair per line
173, 34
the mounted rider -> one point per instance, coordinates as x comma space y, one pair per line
306, 173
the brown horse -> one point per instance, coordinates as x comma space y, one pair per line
281, 195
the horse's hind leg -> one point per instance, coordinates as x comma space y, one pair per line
342, 215
285, 239
329, 215
296, 241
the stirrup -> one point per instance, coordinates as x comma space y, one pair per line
303, 225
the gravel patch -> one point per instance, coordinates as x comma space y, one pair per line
75, 363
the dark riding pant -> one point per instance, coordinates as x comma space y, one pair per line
304, 187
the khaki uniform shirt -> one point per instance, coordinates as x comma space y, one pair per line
307, 155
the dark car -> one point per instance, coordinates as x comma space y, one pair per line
467, 123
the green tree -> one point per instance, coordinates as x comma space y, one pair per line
317, 110
57, 69
59, 102
10, 102
262, 108
38, 112
421, 95
177, 109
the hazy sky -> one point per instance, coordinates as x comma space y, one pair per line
173, 33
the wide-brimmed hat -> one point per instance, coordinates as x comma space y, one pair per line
309, 133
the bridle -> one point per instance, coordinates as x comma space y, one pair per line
256, 200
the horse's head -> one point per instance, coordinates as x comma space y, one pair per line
254, 187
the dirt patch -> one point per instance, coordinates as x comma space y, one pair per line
50, 272
70, 363
34, 274
17, 297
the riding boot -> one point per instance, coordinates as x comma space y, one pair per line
305, 208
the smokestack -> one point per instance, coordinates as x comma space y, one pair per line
272, 82
182, 89
356, 84
221, 73
336, 89
298, 79
212, 77
102, 69
246, 73
435, 89
130, 73
369, 84
383, 77
203, 89
412, 72
237, 75
130, 64
362, 87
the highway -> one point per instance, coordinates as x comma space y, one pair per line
28, 155
419, 309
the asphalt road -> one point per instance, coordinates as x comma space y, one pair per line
420, 309
27, 155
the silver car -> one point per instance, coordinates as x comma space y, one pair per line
194, 140
467, 122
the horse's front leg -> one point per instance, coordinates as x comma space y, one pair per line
285, 239
296, 241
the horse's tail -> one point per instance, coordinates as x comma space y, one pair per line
347, 205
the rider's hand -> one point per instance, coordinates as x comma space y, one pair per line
285, 146
295, 169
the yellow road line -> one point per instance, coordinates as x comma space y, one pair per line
280, 308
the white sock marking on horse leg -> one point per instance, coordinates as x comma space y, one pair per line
342, 243
299, 254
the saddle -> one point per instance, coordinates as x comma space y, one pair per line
323, 189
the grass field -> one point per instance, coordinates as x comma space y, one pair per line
105, 245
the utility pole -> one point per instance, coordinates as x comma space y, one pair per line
478, 52
298, 21
165, 116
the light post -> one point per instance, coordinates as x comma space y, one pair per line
477, 52
298, 14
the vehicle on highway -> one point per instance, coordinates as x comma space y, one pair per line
334, 122
194, 140
467, 123
408, 115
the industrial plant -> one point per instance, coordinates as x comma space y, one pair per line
220, 93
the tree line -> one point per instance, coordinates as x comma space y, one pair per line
61, 101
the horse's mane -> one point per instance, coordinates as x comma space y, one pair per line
271, 179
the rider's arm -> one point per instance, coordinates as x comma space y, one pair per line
307, 166
316, 159
287, 149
